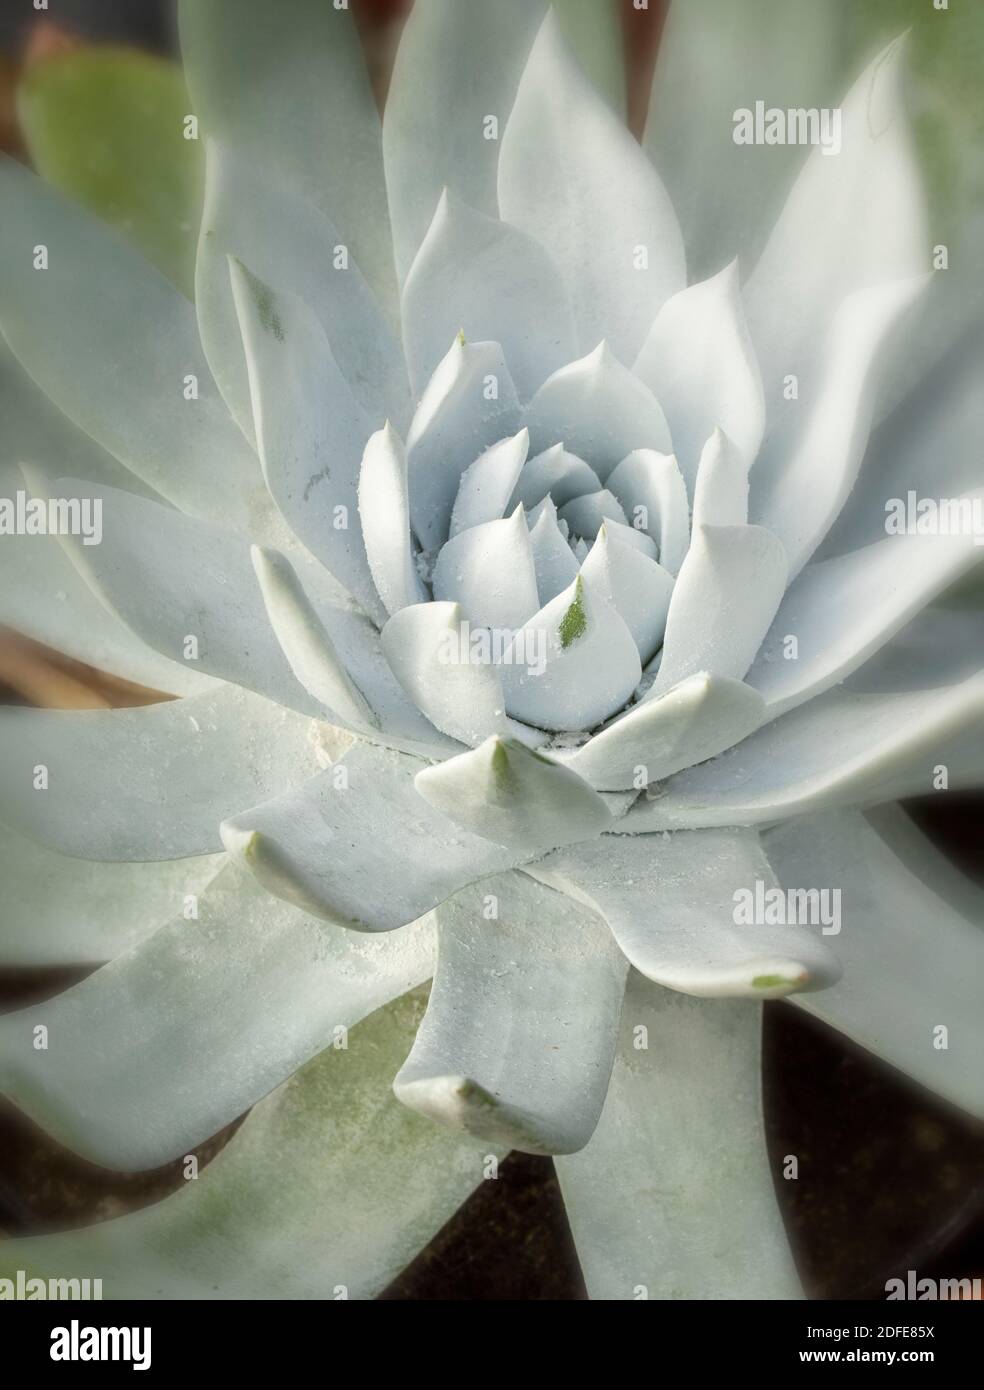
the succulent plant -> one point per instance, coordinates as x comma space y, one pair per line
529, 608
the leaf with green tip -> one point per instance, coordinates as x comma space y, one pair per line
514, 796
670, 903
527, 1068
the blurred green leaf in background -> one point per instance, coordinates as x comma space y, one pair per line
106, 125
946, 55
594, 33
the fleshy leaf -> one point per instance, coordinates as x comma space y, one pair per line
674, 906
840, 749
251, 215
163, 775
651, 489
429, 647
841, 611
310, 430
384, 510
61, 911
651, 1200
911, 943
493, 282
514, 796
699, 363
488, 484
489, 571
588, 662
572, 176
599, 410
101, 325
695, 720
343, 1228
292, 844
557, 474
726, 596
306, 644
159, 1049
524, 1067
287, 89
461, 56
820, 252
469, 403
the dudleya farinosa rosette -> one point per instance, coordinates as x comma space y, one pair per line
570, 567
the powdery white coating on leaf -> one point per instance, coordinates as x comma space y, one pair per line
482, 277
841, 747
726, 596
638, 588
699, 363
553, 558
377, 883
310, 429
670, 902
882, 586
584, 516
66, 911
572, 176
652, 1199
171, 577
487, 485
820, 252
251, 985
461, 697
384, 510
554, 473
911, 944
287, 90
519, 1035
818, 476
163, 776
651, 489
349, 1225
465, 531
455, 55
252, 215
599, 410
515, 796
591, 663
489, 571
468, 404
124, 333
695, 720
306, 643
